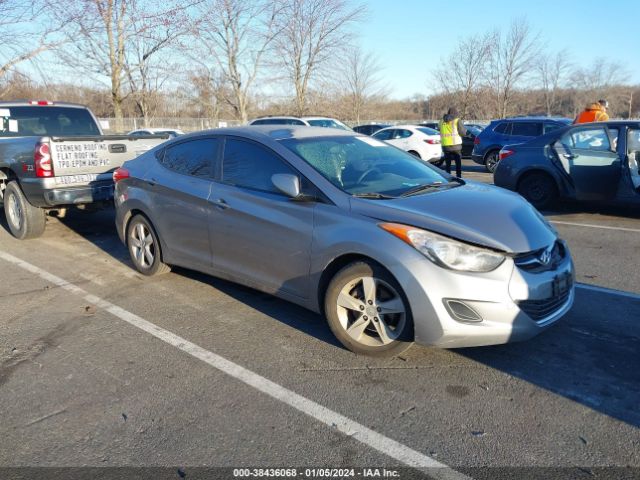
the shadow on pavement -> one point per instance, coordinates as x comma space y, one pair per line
590, 356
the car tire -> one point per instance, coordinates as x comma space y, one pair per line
358, 292
438, 163
144, 247
25, 221
539, 189
414, 153
491, 160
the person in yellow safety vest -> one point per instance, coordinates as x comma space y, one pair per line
594, 112
451, 132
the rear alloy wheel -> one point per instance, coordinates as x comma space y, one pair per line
539, 189
368, 311
144, 247
24, 220
492, 160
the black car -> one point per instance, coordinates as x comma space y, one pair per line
596, 162
467, 141
508, 131
370, 129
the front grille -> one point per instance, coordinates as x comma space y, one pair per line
540, 309
531, 262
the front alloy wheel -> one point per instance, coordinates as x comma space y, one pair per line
367, 310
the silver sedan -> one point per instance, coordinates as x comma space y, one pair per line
390, 250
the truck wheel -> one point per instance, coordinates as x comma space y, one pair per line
144, 247
24, 220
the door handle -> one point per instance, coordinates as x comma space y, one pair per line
151, 181
570, 155
220, 203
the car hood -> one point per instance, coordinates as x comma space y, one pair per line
476, 213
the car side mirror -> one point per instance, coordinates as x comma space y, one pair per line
287, 183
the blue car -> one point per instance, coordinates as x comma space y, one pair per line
507, 131
591, 162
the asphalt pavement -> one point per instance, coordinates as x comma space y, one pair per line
102, 367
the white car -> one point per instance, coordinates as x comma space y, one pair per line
423, 142
172, 132
326, 122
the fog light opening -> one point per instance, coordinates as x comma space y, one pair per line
461, 311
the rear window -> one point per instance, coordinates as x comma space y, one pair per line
503, 128
327, 123
428, 131
39, 121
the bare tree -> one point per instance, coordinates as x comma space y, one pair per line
146, 69
512, 57
552, 71
237, 34
23, 38
312, 31
463, 72
102, 35
361, 80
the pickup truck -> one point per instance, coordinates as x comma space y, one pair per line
54, 155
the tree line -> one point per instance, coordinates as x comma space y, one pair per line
236, 59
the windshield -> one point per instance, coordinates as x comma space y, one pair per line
364, 165
39, 121
327, 123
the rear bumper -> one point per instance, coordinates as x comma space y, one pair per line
43, 193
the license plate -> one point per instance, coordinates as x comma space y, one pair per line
561, 284
81, 178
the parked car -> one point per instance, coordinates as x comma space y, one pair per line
468, 141
370, 129
325, 122
433, 125
172, 132
421, 142
54, 155
389, 249
508, 131
596, 162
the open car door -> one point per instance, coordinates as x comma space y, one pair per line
587, 154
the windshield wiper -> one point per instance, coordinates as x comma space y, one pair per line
429, 186
373, 195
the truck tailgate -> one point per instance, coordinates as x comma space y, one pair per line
83, 159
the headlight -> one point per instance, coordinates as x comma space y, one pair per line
444, 251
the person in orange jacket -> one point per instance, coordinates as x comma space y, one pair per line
595, 112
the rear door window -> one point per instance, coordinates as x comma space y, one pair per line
249, 165
384, 134
194, 157
526, 129
402, 133
588, 139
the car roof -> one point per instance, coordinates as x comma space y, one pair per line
27, 103
276, 132
533, 118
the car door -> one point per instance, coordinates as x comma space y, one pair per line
179, 185
587, 156
259, 236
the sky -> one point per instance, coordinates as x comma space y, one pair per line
410, 37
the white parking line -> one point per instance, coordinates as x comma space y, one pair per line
353, 429
610, 291
588, 225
